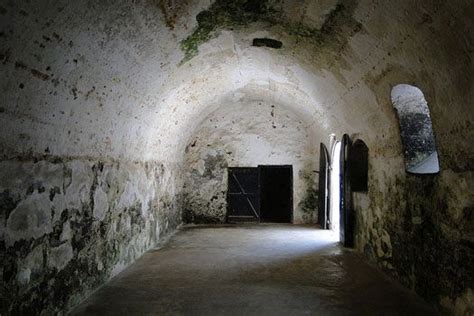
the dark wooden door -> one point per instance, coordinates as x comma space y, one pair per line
323, 211
243, 195
276, 193
359, 164
346, 214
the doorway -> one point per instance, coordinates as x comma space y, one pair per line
335, 183
262, 194
345, 156
276, 193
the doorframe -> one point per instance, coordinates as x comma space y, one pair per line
260, 185
324, 195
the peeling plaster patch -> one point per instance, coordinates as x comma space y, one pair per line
384, 247
128, 195
30, 219
59, 257
30, 267
101, 204
66, 233
77, 191
23, 276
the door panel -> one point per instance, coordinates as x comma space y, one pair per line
276, 193
323, 209
243, 195
346, 215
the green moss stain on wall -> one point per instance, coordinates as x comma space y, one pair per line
309, 203
227, 14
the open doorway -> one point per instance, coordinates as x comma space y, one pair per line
276, 193
335, 184
349, 166
263, 194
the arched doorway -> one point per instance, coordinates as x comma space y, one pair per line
346, 165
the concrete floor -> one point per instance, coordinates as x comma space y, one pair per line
252, 270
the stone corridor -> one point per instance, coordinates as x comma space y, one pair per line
121, 122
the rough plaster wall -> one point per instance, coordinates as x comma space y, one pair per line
81, 78
248, 135
420, 228
69, 225
78, 200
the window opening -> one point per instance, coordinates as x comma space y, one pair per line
416, 130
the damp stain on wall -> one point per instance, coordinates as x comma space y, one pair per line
72, 224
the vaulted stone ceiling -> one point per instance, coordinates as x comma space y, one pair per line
102, 102
128, 80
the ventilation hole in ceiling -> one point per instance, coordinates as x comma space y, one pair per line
267, 42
